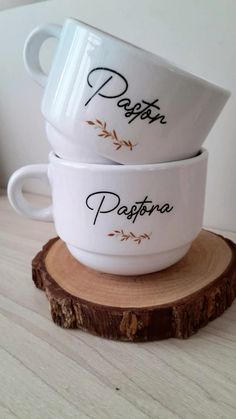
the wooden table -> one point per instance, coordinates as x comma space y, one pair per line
47, 372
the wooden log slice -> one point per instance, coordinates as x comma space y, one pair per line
175, 302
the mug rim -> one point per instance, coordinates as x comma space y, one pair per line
157, 59
123, 168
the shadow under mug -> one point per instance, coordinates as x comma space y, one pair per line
126, 220
119, 101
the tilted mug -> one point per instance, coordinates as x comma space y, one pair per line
121, 102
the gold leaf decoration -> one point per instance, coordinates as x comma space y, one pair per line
122, 236
105, 133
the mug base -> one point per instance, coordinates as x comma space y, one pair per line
129, 265
67, 150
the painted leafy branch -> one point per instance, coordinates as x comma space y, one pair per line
122, 236
105, 133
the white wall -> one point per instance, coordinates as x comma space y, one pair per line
199, 35
8, 4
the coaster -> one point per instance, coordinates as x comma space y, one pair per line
175, 302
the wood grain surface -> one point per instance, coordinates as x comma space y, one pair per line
175, 302
208, 258
47, 372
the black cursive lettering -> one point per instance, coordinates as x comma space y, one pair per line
99, 208
111, 85
104, 202
100, 89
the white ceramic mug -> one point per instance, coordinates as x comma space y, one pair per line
118, 100
125, 220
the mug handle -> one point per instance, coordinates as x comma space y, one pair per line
32, 48
15, 192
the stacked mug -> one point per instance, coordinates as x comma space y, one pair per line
127, 171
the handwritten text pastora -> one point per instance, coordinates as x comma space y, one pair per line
105, 202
